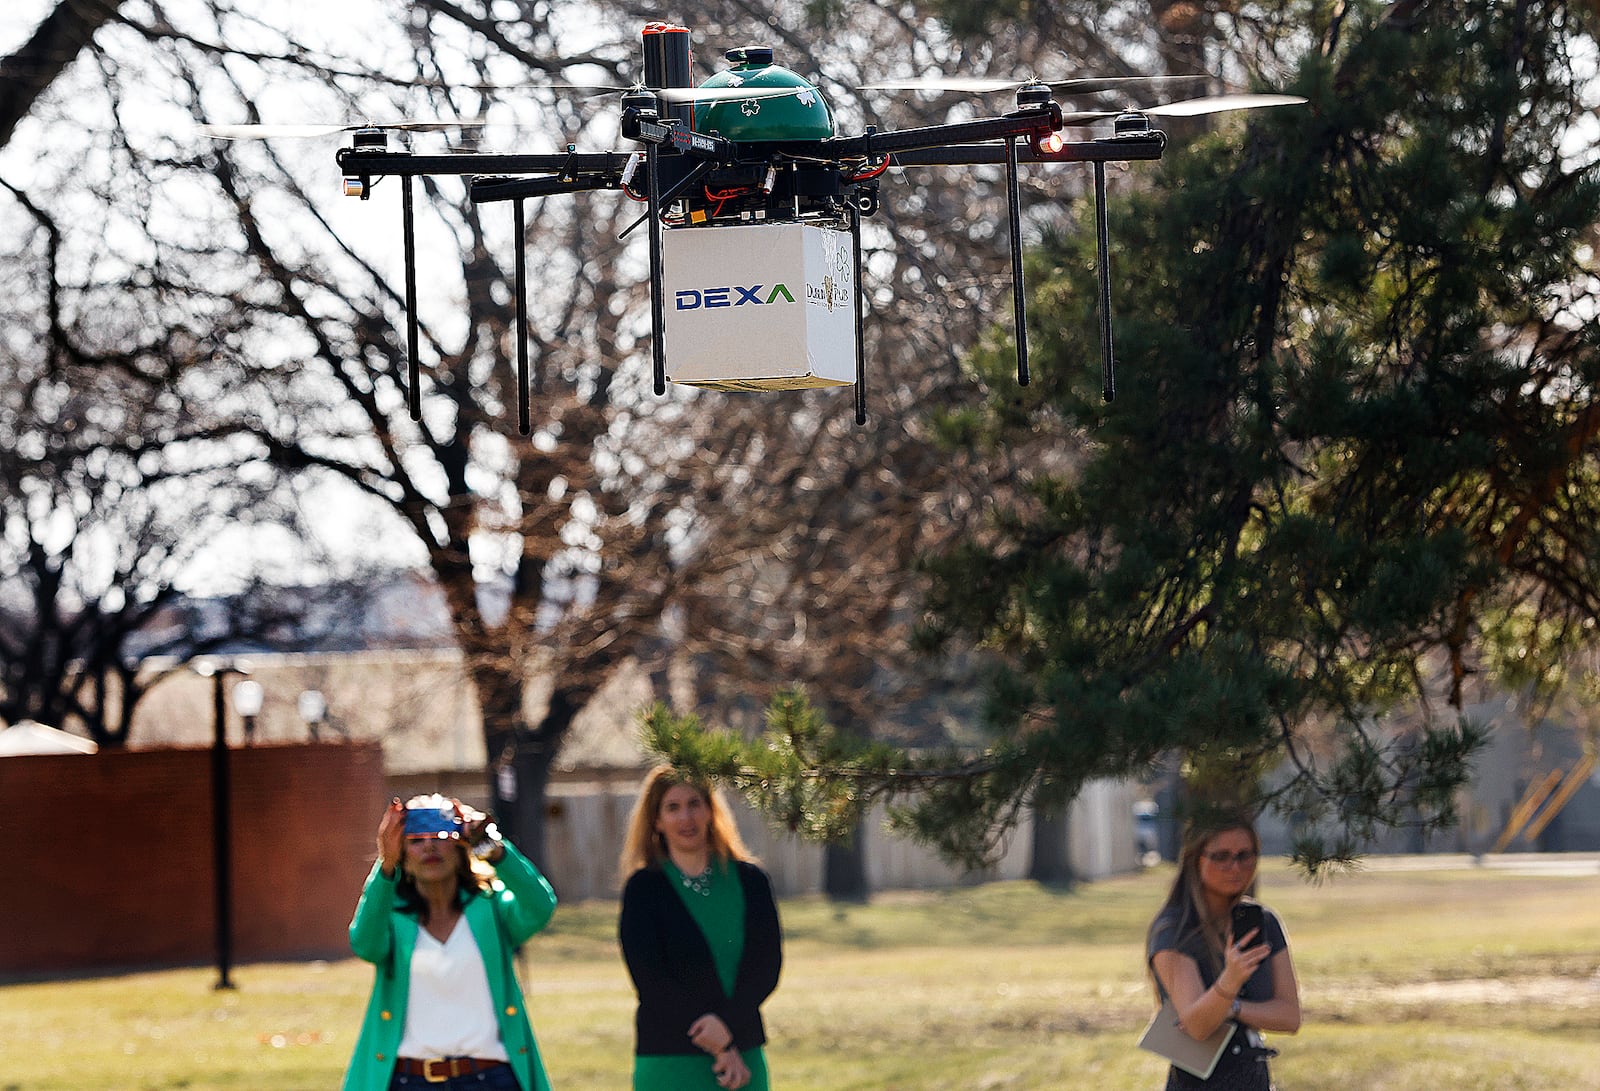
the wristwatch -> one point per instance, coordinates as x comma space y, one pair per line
1233, 1009
490, 844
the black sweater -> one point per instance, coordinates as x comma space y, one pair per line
672, 969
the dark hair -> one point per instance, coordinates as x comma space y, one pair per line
1185, 905
468, 886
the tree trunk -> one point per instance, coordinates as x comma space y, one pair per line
844, 865
844, 869
1051, 862
519, 775
525, 775
55, 44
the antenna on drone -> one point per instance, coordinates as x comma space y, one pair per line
666, 64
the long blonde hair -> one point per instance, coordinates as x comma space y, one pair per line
644, 848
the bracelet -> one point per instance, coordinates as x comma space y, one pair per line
491, 849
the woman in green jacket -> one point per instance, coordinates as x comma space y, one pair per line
440, 923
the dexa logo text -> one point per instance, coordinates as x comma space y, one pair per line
693, 299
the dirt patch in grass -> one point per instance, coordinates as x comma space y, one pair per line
1562, 992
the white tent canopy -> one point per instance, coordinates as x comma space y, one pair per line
29, 737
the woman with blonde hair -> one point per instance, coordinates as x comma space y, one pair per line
1212, 975
700, 935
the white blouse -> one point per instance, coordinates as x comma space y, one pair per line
450, 1012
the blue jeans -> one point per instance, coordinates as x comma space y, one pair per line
503, 1078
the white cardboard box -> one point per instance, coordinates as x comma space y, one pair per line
759, 306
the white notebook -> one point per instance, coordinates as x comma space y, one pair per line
1166, 1038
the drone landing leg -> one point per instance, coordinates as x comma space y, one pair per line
658, 348
409, 241
1019, 305
861, 304
523, 424
1108, 388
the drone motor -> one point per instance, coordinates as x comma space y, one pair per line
370, 140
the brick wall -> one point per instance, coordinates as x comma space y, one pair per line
111, 859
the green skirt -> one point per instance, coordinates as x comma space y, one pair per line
692, 1072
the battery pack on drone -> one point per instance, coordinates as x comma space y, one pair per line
759, 306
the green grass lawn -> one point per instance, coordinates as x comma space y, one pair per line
1434, 981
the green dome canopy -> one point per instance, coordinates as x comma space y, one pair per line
800, 116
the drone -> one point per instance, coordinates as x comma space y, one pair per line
754, 207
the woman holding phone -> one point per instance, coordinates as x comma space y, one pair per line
1215, 970
442, 911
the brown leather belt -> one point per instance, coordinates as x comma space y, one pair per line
439, 1069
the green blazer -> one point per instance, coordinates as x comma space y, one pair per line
519, 904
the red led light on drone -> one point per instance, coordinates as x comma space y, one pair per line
1049, 144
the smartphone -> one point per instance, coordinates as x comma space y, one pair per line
1247, 917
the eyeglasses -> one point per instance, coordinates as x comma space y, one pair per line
1237, 859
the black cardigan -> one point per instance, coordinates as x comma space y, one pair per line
672, 969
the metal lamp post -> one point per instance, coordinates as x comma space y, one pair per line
221, 811
247, 700
313, 708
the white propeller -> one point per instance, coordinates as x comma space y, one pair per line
1194, 107
272, 132
979, 85
682, 94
